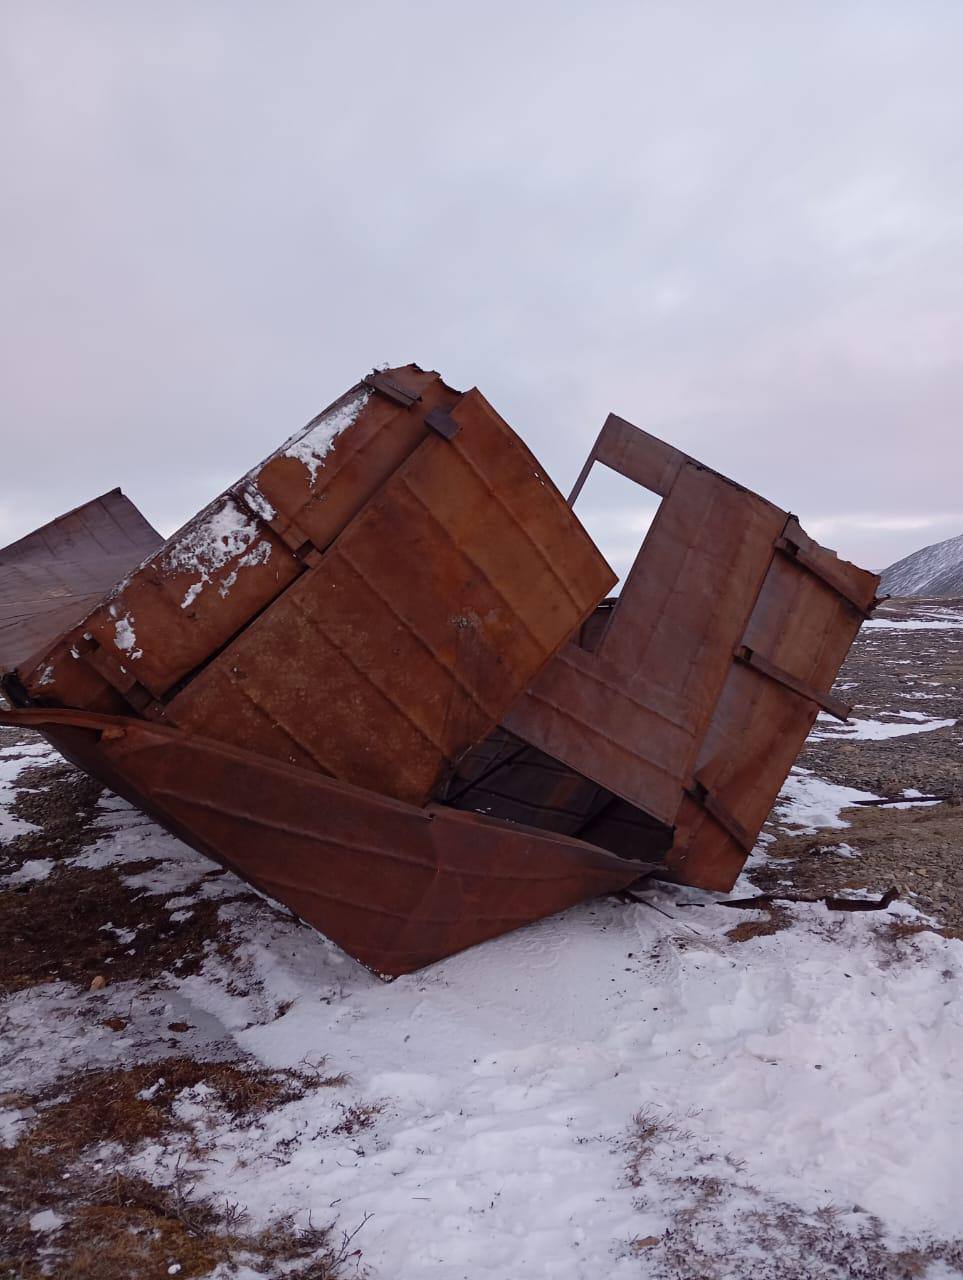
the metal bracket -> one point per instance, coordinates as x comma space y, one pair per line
834, 706
290, 533
378, 382
733, 828
794, 552
441, 421
129, 687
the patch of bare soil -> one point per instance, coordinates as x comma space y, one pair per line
116, 1225
918, 849
83, 924
773, 918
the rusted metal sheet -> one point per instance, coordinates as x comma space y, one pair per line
426, 616
367, 602
805, 626
693, 692
52, 577
395, 885
379, 677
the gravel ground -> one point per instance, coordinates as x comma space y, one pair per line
889, 671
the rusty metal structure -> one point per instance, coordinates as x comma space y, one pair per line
381, 676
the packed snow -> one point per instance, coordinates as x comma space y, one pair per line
913, 624
555, 1102
808, 803
125, 638
914, 722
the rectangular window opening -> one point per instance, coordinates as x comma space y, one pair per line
617, 514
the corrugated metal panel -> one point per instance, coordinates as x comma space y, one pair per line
366, 606
660, 709
52, 577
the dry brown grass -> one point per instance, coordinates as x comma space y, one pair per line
122, 1227
774, 918
134, 1104
721, 1227
53, 929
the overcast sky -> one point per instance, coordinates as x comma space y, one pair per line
737, 225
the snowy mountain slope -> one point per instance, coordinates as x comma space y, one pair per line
936, 570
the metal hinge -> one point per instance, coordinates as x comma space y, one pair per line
792, 551
440, 420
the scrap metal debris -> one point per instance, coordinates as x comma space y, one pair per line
381, 677
832, 902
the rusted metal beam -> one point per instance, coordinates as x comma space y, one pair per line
396, 886
834, 706
443, 423
385, 386
704, 798
798, 555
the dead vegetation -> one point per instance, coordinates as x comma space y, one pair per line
122, 1227
770, 919
77, 924
112, 1224
721, 1227
134, 1104
61, 802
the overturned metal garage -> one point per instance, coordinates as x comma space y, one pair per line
381, 677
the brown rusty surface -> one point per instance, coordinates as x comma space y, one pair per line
398, 609
369, 611
631, 714
52, 577
429, 613
394, 885
652, 702
216, 573
759, 726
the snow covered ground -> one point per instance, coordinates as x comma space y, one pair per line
637, 1089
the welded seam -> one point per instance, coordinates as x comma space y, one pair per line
410, 628
493, 492
463, 550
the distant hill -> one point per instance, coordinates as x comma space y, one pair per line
933, 571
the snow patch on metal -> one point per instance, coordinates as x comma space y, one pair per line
125, 637
312, 445
256, 500
259, 554
224, 533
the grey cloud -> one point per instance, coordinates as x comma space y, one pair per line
738, 226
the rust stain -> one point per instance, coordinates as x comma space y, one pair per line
380, 678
